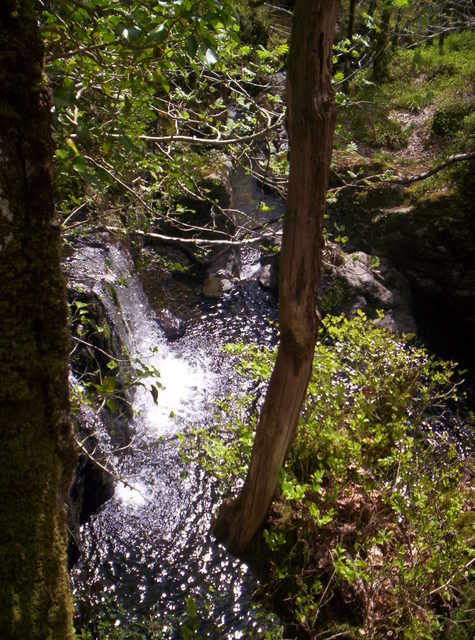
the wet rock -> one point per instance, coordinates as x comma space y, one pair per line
92, 486
268, 276
222, 273
361, 281
217, 285
172, 326
265, 276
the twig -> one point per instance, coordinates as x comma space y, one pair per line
63, 224
213, 142
446, 584
115, 476
121, 182
366, 182
93, 346
196, 241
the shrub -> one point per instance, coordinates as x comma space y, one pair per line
372, 534
450, 119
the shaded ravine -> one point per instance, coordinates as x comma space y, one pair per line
148, 552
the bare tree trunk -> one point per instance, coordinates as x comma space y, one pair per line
311, 120
36, 451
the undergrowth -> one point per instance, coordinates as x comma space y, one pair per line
372, 534
420, 78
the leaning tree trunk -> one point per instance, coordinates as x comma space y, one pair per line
311, 120
36, 450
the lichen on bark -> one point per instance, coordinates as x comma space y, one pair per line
36, 450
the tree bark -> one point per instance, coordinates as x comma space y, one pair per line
311, 121
349, 35
351, 20
36, 449
381, 46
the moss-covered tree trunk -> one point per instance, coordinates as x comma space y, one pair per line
381, 47
311, 119
36, 450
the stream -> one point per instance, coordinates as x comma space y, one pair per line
148, 556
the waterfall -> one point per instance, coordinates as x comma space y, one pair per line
148, 551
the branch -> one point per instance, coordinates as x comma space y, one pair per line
458, 157
213, 142
122, 184
446, 584
115, 476
195, 241
367, 182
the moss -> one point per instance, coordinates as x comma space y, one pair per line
36, 452
449, 119
332, 298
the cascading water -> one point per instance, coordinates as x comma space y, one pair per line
149, 550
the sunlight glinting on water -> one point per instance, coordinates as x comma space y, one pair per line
133, 494
180, 399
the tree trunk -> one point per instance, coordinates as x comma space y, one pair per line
36, 451
311, 120
381, 47
351, 20
349, 35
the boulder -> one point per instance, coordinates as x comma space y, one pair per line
217, 285
429, 237
222, 273
172, 326
370, 283
268, 275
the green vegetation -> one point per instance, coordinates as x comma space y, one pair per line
104, 369
128, 78
372, 535
421, 80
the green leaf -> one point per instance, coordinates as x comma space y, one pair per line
210, 57
159, 34
64, 96
80, 166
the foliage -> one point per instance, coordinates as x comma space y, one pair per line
103, 376
122, 72
420, 78
372, 529
192, 623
